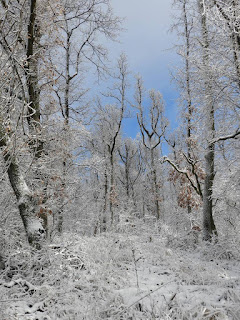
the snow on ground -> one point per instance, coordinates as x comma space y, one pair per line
180, 284
120, 276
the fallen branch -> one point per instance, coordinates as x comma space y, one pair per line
22, 283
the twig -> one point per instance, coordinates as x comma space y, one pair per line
14, 300
135, 265
171, 300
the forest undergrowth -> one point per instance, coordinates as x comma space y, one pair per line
135, 272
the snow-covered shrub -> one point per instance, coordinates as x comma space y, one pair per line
76, 278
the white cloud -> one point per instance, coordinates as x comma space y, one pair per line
147, 22
147, 43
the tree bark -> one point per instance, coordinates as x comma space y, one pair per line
155, 185
103, 222
27, 204
188, 90
112, 191
31, 70
60, 213
209, 228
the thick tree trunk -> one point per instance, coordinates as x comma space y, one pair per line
27, 204
188, 90
31, 70
209, 228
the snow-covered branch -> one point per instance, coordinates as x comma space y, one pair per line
223, 138
185, 172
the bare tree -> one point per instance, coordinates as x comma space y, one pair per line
130, 155
209, 84
110, 118
20, 49
186, 165
81, 24
153, 134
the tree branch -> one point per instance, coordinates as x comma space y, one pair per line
231, 136
185, 172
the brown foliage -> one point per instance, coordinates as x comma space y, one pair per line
187, 197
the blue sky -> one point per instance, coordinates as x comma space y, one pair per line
148, 45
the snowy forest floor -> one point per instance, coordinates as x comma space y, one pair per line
119, 276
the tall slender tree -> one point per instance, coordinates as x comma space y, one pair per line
153, 134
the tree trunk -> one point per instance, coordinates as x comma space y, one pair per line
127, 180
209, 228
112, 191
65, 112
31, 70
103, 225
155, 185
27, 204
188, 90
236, 44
